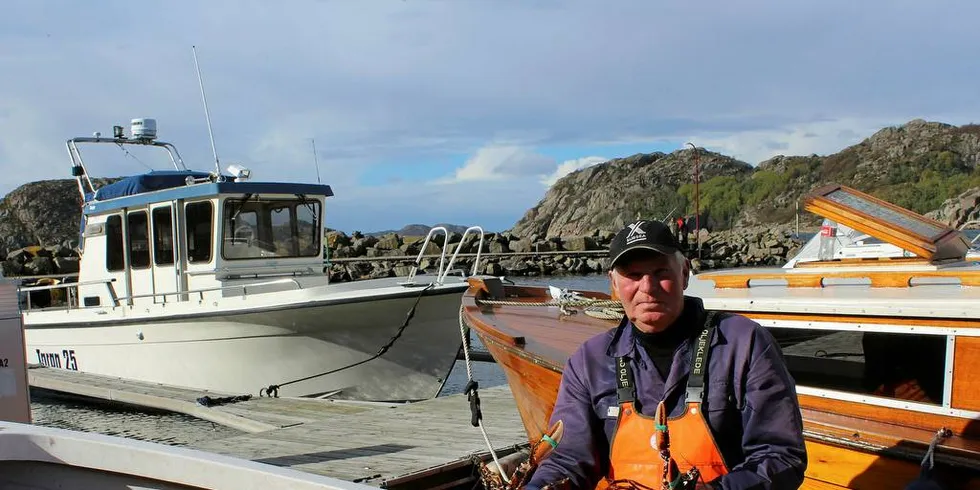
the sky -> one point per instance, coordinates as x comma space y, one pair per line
466, 111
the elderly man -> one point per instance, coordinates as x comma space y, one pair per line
731, 410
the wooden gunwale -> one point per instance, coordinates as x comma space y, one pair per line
878, 279
885, 438
875, 320
900, 437
866, 262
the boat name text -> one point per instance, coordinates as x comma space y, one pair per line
53, 359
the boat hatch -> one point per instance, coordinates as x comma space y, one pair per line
926, 238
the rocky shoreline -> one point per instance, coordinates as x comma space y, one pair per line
358, 257
510, 255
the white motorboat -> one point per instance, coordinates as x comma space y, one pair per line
216, 282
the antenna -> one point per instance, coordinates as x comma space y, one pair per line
207, 114
315, 162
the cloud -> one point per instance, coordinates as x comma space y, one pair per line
514, 162
569, 166
398, 85
821, 138
503, 162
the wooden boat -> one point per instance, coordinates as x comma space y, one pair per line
884, 350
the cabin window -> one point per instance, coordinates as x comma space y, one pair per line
114, 260
163, 237
893, 365
139, 241
258, 228
199, 226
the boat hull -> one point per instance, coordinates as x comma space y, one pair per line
245, 350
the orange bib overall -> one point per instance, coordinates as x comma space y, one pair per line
660, 452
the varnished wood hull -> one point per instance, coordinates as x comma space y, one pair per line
532, 344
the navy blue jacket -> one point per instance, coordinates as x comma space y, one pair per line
750, 403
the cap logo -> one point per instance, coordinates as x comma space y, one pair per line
636, 233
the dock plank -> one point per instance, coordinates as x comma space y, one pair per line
384, 443
365, 442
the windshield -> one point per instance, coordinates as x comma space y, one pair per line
253, 227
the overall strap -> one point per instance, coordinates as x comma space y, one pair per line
625, 387
699, 359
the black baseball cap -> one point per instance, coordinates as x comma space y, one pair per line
642, 235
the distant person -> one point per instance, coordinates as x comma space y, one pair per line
682, 231
716, 383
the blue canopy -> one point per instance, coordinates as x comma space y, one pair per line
153, 181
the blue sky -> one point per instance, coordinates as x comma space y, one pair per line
466, 111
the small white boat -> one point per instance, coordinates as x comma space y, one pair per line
37, 457
215, 282
46, 458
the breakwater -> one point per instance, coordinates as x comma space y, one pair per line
361, 257
355, 257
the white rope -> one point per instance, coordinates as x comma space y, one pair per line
469, 376
606, 313
576, 302
603, 309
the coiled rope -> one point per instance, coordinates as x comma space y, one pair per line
604, 309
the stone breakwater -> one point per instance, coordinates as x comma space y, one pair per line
358, 257
510, 255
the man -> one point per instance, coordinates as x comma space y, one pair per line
682, 232
721, 379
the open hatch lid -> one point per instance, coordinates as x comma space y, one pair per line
925, 237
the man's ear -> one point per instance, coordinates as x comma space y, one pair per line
613, 293
687, 272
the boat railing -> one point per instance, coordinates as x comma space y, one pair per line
459, 246
972, 223
78, 166
72, 291
200, 292
70, 288
444, 268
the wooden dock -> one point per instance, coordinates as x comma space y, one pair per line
426, 444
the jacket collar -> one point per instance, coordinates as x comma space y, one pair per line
624, 343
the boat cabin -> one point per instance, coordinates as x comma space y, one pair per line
165, 236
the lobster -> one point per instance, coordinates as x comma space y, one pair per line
521, 464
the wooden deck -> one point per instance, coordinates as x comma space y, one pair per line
371, 443
384, 443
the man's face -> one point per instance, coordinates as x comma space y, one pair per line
651, 287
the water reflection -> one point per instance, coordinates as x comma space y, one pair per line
59, 411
